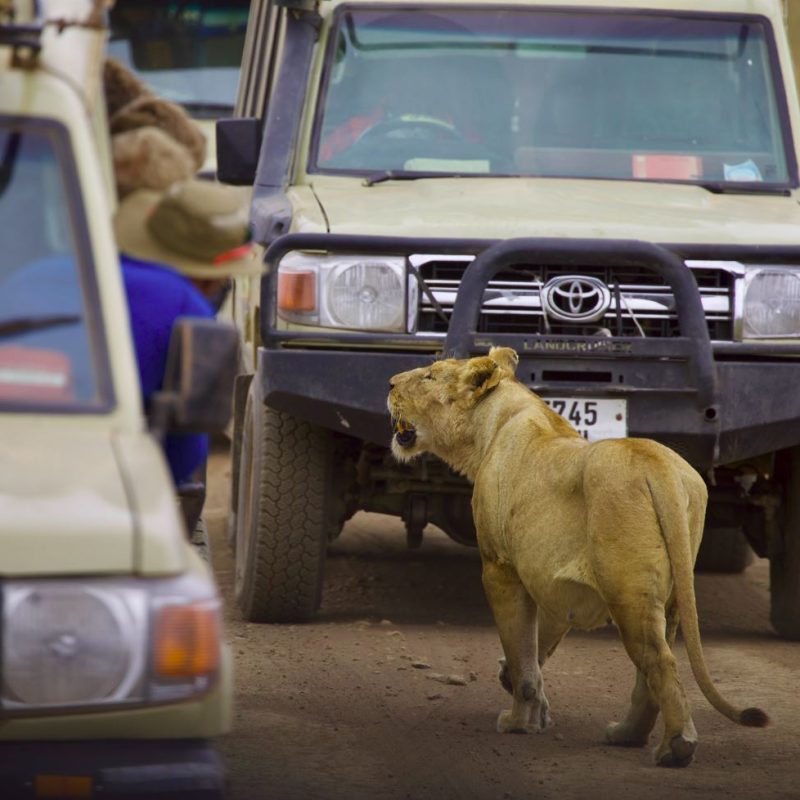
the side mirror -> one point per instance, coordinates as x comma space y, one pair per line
202, 364
238, 148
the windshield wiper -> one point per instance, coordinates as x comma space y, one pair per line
18, 325
402, 175
723, 187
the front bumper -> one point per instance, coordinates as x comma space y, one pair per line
712, 403
759, 412
118, 769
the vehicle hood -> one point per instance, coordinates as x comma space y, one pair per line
501, 208
64, 508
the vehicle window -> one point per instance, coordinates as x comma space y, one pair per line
48, 355
187, 52
578, 93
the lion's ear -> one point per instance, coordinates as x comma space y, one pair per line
505, 357
483, 374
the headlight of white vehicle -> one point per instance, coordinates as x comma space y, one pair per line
771, 307
356, 292
70, 643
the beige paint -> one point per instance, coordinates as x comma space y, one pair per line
62, 500
209, 129
161, 547
104, 450
792, 14
508, 207
91, 494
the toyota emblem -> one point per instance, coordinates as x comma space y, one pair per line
575, 298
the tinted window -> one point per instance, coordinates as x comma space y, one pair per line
188, 52
48, 355
578, 93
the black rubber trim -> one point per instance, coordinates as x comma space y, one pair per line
162, 769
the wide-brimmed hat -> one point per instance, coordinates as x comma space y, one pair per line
198, 227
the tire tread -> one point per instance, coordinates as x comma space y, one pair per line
284, 579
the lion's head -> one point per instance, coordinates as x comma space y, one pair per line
431, 406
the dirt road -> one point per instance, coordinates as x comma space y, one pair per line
392, 693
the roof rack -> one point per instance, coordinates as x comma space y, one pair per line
26, 37
21, 37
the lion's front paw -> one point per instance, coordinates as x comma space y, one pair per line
539, 720
507, 724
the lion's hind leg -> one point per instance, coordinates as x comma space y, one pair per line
550, 635
515, 617
635, 729
644, 634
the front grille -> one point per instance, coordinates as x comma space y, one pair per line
642, 303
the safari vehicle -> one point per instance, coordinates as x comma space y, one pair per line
610, 188
188, 53
115, 675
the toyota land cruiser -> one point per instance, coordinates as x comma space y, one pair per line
609, 187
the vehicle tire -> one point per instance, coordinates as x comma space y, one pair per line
282, 511
723, 550
784, 554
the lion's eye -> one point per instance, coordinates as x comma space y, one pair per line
428, 376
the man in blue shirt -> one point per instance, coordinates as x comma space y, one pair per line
157, 296
178, 251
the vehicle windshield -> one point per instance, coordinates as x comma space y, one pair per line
578, 93
187, 52
48, 356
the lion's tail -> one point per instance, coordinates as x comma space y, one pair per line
675, 530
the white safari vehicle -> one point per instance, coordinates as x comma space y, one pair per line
114, 673
610, 187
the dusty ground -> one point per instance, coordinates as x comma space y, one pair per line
354, 707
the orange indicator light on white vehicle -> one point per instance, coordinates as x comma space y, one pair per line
297, 290
187, 641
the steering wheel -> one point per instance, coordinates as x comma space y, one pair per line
411, 128
390, 143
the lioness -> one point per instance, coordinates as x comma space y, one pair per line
570, 533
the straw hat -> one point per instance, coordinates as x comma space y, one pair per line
198, 227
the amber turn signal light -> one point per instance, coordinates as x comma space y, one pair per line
297, 290
187, 641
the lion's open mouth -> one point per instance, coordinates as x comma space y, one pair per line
405, 435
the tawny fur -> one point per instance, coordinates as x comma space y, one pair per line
570, 533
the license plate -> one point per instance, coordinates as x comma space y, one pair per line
593, 417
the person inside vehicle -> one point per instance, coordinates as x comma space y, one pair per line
385, 111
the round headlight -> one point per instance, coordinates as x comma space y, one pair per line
65, 645
772, 304
369, 295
